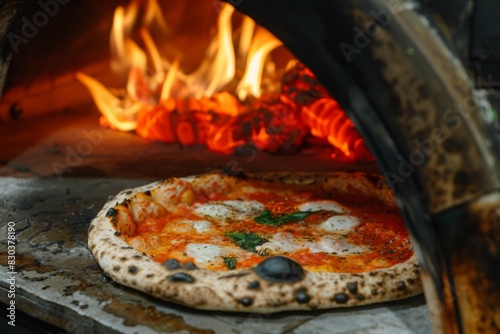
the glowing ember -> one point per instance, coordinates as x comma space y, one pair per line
323, 115
220, 104
327, 120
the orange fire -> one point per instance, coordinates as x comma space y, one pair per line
216, 104
327, 120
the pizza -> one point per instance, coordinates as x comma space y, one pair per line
259, 242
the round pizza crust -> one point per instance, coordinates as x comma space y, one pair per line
246, 289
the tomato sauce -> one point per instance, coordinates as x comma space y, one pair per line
381, 233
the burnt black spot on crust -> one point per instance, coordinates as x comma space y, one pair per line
301, 296
360, 297
340, 298
254, 285
123, 259
133, 270
247, 301
189, 266
117, 234
172, 264
125, 203
137, 257
181, 277
147, 193
128, 192
374, 292
233, 171
150, 275
401, 286
280, 269
373, 179
112, 212
352, 287
127, 247
116, 268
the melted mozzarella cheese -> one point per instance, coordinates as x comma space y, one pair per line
229, 210
340, 223
213, 210
203, 253
323, 205
329, 244
202, 226
189, 226
281, 243
278, 244
245, 207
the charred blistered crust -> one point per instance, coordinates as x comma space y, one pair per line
181, 277
280, 269
276, 284
111, 212
357, 183
301, 296
189, 266
172, 264
254, 285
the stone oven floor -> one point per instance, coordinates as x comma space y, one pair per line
56, 172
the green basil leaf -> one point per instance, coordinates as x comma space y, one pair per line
247, 240
266, 217
230, 262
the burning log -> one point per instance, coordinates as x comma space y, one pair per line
327, 120
301, 85
271, 124
277, 124
322, 114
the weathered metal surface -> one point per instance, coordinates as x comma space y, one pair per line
442, 132
474, 257
415, 104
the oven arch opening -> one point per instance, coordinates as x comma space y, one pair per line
401, 83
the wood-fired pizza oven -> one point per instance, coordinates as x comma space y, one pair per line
419, 80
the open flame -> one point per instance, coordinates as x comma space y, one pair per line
221, 103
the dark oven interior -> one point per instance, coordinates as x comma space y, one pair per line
418, 80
